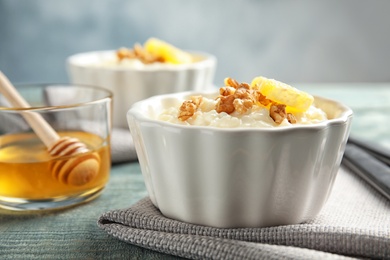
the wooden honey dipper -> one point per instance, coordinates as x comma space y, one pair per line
77, 170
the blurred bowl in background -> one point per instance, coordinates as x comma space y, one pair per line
238, 177
133, 82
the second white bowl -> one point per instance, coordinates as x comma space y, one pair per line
131, 84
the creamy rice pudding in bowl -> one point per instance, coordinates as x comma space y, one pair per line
146, 70
248, 155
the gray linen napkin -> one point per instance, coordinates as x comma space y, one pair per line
122, 146
355, 222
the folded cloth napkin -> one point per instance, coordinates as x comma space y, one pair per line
355, 222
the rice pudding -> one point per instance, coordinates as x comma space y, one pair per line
248, 105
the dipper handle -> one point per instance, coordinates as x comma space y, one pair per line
43, 130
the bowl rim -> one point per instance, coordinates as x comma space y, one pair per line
135, 111
209, 60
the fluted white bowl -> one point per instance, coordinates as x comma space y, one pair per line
131, 84
238, 177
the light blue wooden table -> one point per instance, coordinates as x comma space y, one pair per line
74, 234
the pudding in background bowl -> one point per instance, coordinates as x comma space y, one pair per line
134, 74
236, 176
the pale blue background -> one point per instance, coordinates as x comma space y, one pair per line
293, 41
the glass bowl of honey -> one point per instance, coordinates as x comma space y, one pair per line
32, 176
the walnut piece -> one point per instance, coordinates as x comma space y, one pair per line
231, 82
234, 97
291, 118
189, 107
242, 105
138, 52
262, 99
278, 113
225, 104
226, 91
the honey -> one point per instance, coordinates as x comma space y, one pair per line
25, 168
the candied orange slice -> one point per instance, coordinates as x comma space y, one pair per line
168, 52
296, 101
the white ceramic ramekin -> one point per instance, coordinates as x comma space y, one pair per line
232, 178
131, 84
